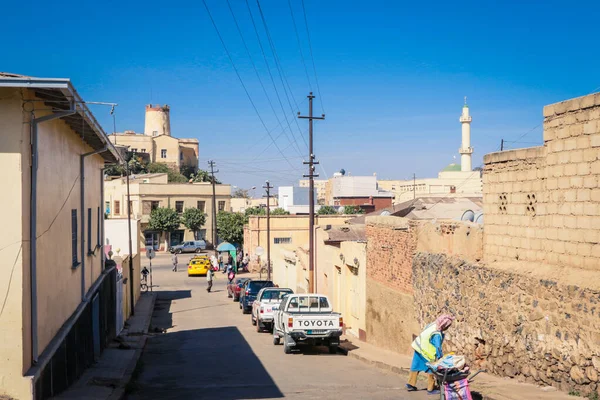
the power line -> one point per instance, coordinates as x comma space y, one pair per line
299, 44
282, 76
257, 74
241, 80
267, 65
312, 57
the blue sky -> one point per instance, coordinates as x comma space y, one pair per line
392, 75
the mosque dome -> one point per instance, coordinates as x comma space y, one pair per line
452, 167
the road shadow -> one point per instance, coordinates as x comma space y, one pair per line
162, 318
213, 363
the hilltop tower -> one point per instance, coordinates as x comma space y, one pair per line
158, 121
466, 150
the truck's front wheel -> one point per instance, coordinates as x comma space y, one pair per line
276, 340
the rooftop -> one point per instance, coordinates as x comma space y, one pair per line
424, 208
452, 167
59, 95
345, 233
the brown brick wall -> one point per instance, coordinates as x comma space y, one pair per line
542, 204
390, 249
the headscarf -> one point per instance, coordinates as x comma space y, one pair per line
444, 321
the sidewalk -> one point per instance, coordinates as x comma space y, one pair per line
491, 387
106, 379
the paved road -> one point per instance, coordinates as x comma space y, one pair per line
211, 351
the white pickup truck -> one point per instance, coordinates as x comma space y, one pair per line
262, 307
307, 318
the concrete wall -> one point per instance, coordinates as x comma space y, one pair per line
14, 254
59, 290
158, 119
170, 144
542, 204
294, 227
116, 235
527, 323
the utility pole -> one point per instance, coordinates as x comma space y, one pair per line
268, 188
131, 280
502, 145
311, 189
414, 186
211, 164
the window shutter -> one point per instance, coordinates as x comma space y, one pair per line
74, 237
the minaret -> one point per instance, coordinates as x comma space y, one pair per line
466, 150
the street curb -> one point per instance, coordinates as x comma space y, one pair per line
119, 392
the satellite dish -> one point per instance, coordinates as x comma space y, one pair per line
468, 215
259, 251
479, 218
385, 213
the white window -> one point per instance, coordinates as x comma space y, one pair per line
163, 153
154, 133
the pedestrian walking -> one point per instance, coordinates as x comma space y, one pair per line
174, 260
245, 262
428, 348
214, 262
209, 279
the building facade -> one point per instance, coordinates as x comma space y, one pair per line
151, 191
320, 189
59, 309
360, 191
157, 142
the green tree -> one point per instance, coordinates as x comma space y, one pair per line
137, 165
203, 176
193, 219
353, 210
188, 170
280, 211
164, 219
158, 168
230, 227
114, 170
326, 210
173, 175
254, 211
241, 194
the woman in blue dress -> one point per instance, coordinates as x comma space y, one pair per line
428, 348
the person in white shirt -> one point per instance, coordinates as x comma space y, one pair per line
174, 259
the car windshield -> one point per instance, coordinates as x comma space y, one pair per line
309, 304
255, 286
274, 295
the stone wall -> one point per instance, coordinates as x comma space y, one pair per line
517, 325
542, 204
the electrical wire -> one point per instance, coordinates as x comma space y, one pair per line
267, 63
312, 57
299, 44
242, 81
257, 74
282, 77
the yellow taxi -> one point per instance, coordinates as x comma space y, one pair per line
199, 265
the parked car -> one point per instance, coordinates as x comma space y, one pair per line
198, 265
194, 246
249, 292
309, 319
262, 307
234, 288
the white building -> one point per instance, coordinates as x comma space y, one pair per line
295, 199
